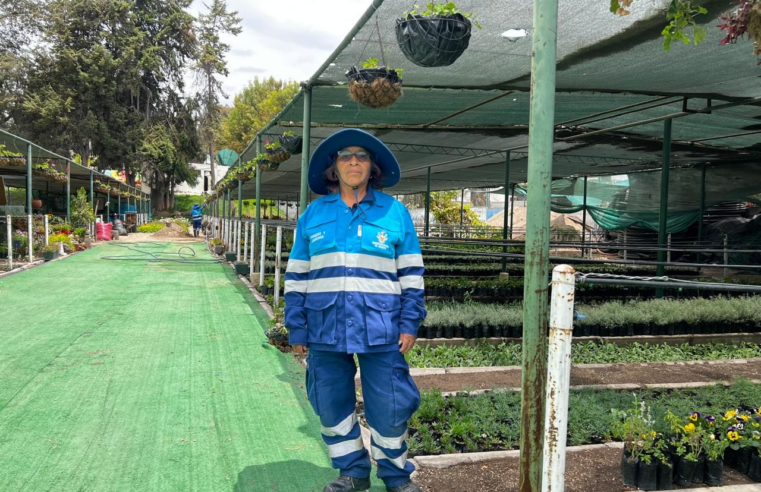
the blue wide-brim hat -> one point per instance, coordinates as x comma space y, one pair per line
325, 154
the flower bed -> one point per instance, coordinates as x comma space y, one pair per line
509, 354
652, 317
493, 269
491, 421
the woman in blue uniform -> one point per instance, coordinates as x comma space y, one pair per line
354, 285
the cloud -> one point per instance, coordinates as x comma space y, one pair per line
255, 70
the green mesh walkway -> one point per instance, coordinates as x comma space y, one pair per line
126, 376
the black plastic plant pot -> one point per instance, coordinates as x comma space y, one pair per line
730, 458
435, 41
230, 255
458, 331
374, 87
49, 255
647, 476
754, 470
714, 472
665, 476
449, 331
743, 460
685, 469
241, 267
265, 290
422, 331
291, 143
629, 469
699, 473
469, 332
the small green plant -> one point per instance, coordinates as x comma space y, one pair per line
635, 427
51, 248
216, 242
441, 9
151, 227
272, 145
681, 16
372, 63
60, 238
81, 210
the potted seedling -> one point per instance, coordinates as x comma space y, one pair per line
50, 252
435, 36
291, 142
276, 153
11, 159
218, 246
374, 86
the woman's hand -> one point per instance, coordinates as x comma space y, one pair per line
406, 342
300, 349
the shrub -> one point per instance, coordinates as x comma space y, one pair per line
151, 227
60, 238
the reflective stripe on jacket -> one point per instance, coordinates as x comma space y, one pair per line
354, 280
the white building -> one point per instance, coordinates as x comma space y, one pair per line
203, 183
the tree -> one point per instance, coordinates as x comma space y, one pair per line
253, 108
446, 209
210, 64
81, 210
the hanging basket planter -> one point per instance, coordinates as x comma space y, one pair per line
12, 161
374, 87
291, 143
265, 165
433, 41
277, 156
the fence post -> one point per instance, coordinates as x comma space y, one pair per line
558, 378
278, 249
245, 242
261, 259
625, 246
668, 255
47, 231
237, 240
9, 229
253, 251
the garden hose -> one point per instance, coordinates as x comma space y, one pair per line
184, 254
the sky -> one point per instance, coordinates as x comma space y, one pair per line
285, 39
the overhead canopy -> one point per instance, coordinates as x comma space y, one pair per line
80, 175
612, 73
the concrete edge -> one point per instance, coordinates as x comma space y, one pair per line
620, 341
448, 460
436, 371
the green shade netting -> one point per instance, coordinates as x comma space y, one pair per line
619, 202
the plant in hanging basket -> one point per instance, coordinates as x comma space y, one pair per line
264, 164
291, 142
374, 86
276, 153
745, 19
436, 36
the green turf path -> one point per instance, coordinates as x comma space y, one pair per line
126, 376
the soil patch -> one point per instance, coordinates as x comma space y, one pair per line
170, 231
590, 470
582, 375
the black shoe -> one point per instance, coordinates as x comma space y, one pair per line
347, 484
405, 487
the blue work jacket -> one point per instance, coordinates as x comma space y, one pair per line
355, 277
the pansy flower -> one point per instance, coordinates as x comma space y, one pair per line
730, 414
733, 436
695, 416
712, 420
745, 417
689, 428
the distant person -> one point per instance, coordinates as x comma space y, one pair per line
197, 215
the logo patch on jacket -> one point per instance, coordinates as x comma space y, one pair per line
317, 236
381, 242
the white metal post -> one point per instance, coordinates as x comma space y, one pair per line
9, 229
30, 229
278, 249
558, 378
261, 258
253, 251
47, 231
625, 245
245, 242
668, 245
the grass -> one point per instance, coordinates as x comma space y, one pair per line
183, 203
486, 355
491, 421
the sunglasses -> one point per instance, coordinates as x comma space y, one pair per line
345, 156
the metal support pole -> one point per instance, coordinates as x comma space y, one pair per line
428, 204
261, 258
47, 230
584, 221
258, 221
278, 252
237, 239
626, 246
68, 193
92, 193
119, 202
240, 199
558, 378
702, 207
306, 133
462, 206
668, 253
29, 183
253, 252
512, 211
150, 209
726, 255
504, 213
9, 231
663, 216
535, 316
30, 237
